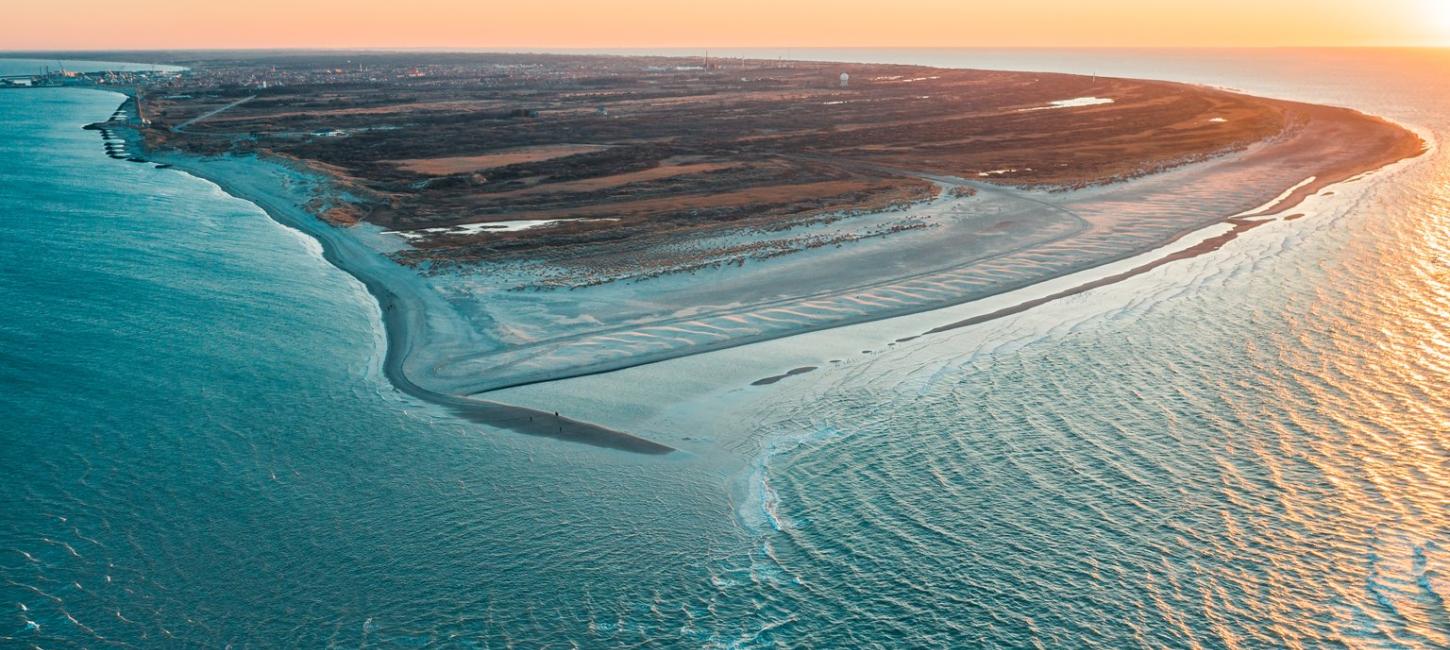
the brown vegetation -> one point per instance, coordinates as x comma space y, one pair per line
669, 147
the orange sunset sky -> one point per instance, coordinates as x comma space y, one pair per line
493, 24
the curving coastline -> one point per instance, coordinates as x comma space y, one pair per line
424, 333
1094, 227
403, 301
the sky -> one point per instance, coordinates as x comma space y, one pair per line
595, 24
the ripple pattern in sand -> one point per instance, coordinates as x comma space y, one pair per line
1195, 458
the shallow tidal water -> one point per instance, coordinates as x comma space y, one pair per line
1247, 449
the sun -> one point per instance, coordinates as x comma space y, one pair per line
1438, 14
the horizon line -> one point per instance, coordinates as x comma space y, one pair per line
507, 49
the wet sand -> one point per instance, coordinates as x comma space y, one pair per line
426, 333
775, 378
404, 301
661, 399
1240, 226
1029, 238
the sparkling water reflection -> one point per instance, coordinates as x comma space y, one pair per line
1246, 449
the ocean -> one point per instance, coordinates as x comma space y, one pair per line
1250, 448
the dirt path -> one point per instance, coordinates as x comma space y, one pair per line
181, 127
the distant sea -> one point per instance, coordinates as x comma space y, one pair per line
198, 447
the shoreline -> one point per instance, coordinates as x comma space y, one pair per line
406, 311
665, 398
1294, 150
404, 308
1240, 224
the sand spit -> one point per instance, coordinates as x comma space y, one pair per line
1003, 239
407, 303
664, 398
1011, 239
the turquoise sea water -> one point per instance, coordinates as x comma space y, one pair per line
198, 447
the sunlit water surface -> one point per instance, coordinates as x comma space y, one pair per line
1248, 449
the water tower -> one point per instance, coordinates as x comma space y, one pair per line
845, 79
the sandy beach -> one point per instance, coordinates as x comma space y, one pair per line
996, 240
427, 348
663, 400
440, 351
411, 312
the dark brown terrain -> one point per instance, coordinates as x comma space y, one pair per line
639, 149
